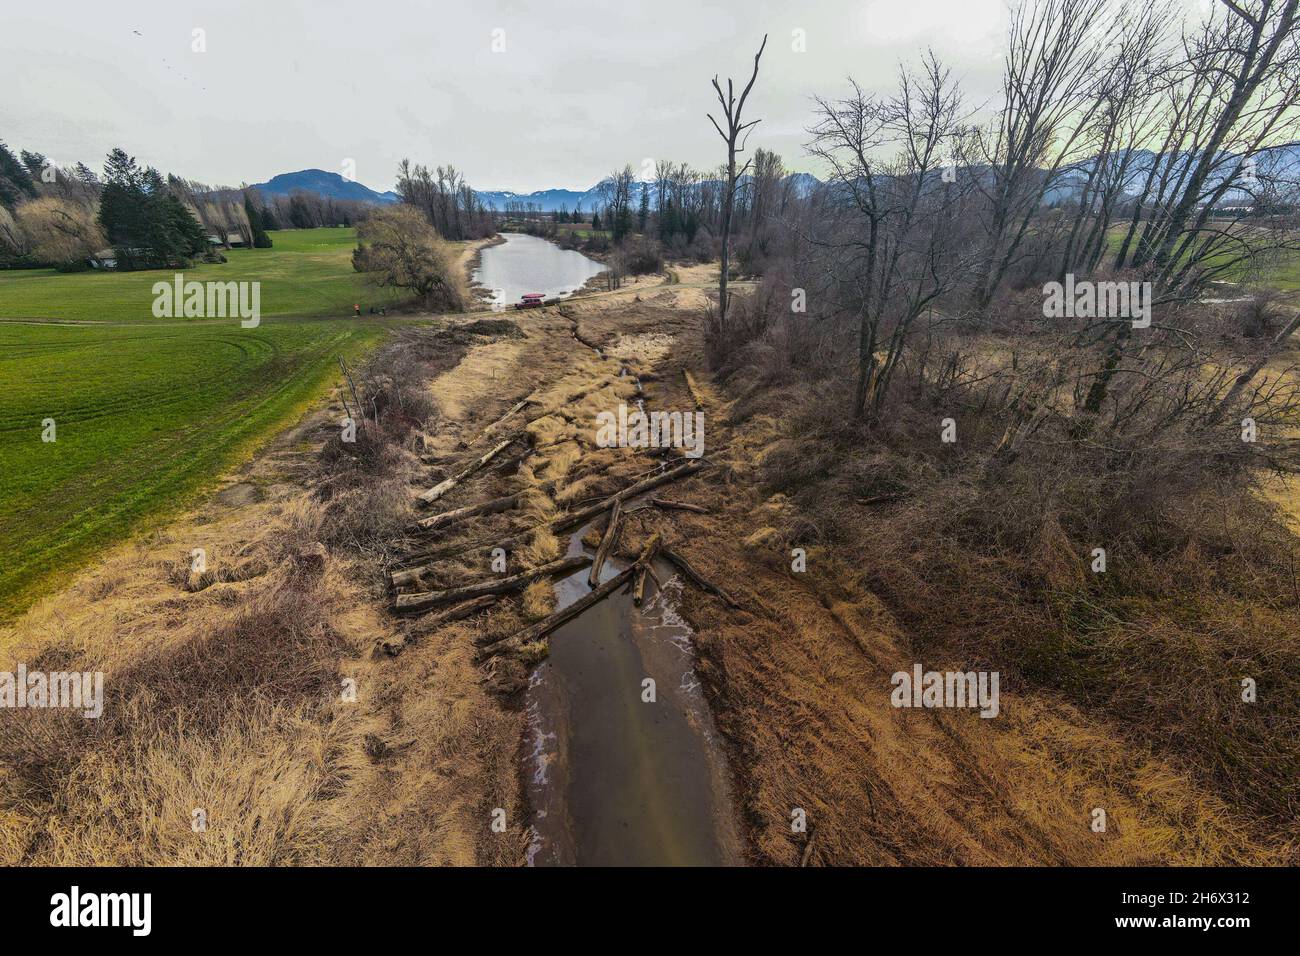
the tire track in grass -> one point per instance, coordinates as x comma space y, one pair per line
52, 535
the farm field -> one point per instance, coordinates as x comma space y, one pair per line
145, 416
306, 272
1287, 276
149, 411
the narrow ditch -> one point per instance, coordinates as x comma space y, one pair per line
619, 773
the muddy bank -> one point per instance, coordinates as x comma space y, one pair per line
470, 261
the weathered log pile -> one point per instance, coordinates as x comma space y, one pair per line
470, 598
423, 600
535, 632
431, 606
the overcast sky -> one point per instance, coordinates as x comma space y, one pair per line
580, 88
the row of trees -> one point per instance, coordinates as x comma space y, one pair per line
687, 209
446, 200
147, 223
62, 216
306, 210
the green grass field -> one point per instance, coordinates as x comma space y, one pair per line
1287, 276
1284, 274
307, 272
150, 411
581, 230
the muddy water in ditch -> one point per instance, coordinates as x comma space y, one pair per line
613, 779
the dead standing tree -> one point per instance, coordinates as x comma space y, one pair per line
734, 137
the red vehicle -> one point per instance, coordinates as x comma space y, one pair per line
530, 300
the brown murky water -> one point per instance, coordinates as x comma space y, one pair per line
613, 779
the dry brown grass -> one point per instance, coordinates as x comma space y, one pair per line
223, 691
224, 699
1119, 691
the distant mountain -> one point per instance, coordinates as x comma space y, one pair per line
549, 200
329, 185
1278, 163
1278, 166
334, 186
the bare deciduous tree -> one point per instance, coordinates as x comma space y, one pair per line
1050, 83
735, 135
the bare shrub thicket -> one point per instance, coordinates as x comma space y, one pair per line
1123, 150
365, 484
985, 548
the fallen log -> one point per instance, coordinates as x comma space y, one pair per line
414, 603
456, 613
678, 506
631, 491
464, 609
638, 593
514, 408
457, 515
440, 489
394, 647
545, 626
690, 387
412, 577
505, 503
606, 543
649, 549
422, 560
535, 632
696, 578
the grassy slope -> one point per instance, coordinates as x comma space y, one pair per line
149, 413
